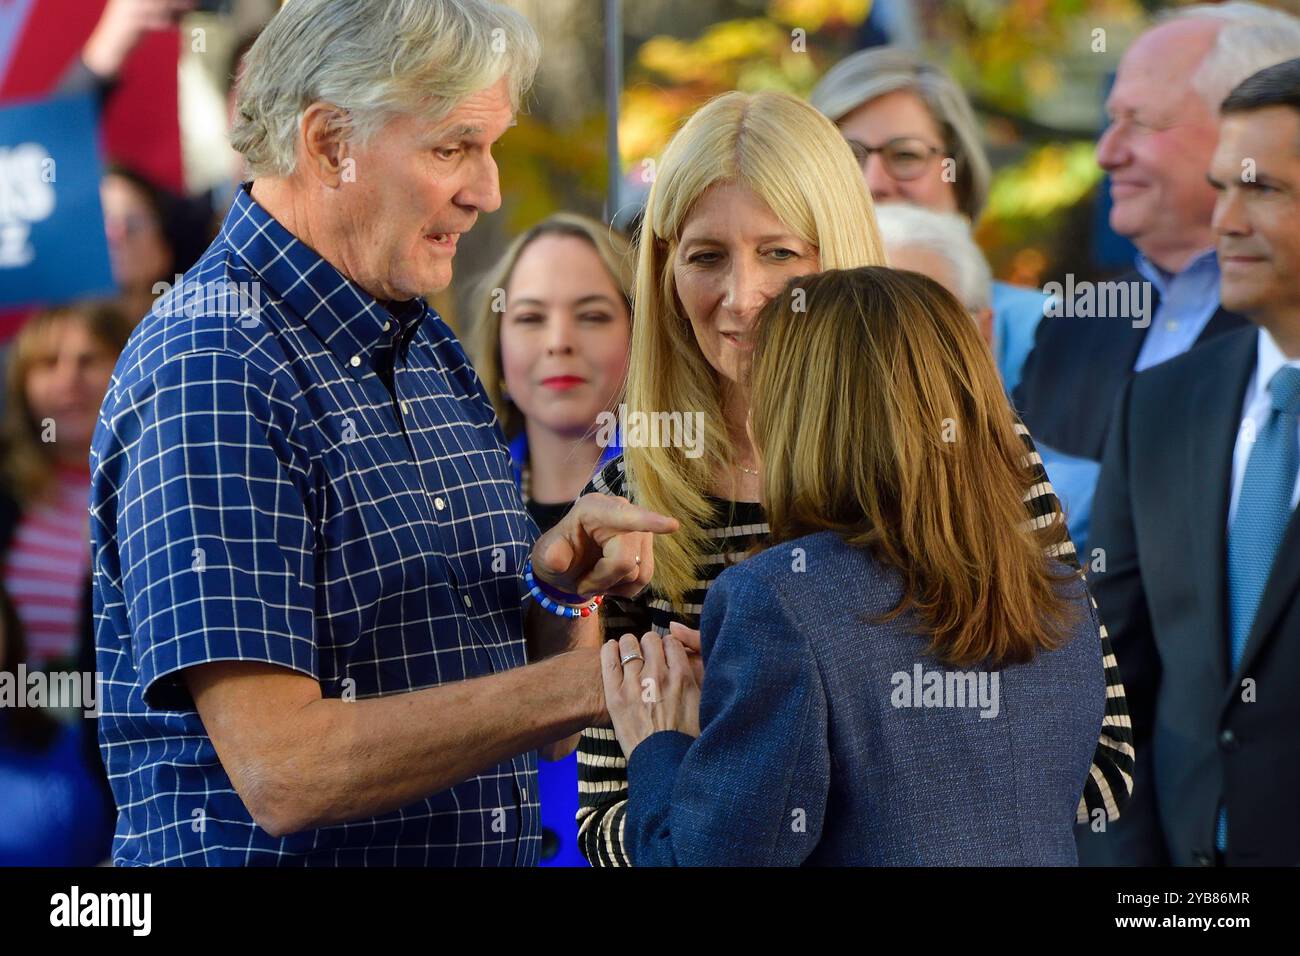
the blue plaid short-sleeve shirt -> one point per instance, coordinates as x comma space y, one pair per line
259, 494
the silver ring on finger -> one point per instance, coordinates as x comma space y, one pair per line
628, 658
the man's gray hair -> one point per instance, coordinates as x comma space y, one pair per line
875, 71
374, 59
946, 234
1252, 38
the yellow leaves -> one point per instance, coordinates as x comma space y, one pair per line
649, 116
1049, 179
709, 57
745, 54
1041, 77
812, 15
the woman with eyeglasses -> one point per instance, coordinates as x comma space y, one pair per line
914, 135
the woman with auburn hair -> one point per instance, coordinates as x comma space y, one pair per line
753, 191
904, 676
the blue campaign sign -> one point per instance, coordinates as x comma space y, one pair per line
52, 243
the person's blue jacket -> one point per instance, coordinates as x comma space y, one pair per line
1016, 314
815, 749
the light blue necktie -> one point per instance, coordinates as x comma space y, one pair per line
1263, 510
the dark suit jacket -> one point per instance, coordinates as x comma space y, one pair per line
1161, 516
1076, 369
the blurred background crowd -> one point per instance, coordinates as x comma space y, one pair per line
981, 126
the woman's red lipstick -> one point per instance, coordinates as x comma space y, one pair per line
562, 382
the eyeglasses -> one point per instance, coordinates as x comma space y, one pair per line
905, 157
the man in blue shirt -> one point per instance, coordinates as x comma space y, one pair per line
307, 541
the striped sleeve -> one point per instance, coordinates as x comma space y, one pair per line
602, 768
1110, 779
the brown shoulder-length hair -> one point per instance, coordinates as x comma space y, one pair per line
26, 462
878, 414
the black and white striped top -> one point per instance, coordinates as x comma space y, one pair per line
736, 526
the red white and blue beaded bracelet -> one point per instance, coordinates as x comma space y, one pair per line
559, 602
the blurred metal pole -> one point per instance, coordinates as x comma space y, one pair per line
613, 93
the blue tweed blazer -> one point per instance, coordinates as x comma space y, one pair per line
827, 739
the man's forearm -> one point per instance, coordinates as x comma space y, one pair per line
335, 761
549, 634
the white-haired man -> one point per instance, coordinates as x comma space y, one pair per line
309, 553
1156, 149
940, 245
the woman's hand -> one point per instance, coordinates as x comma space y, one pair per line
690, 639
649, 686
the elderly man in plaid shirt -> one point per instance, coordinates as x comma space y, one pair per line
309, 552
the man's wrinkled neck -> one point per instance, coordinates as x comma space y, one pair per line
287, 201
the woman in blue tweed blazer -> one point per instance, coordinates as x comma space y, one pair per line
901, 677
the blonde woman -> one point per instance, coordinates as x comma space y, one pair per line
753, 191
867, 699
550, 342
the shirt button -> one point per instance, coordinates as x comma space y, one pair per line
524, 793
406, 408
356, 361
439, 503
1171, 325
387, 325
468, 602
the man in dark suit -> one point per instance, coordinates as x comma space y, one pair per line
1156, 148
1196, 516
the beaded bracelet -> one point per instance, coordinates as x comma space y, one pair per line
558, 602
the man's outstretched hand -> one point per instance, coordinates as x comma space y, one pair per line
604, 545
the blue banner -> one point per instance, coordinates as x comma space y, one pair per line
52, 243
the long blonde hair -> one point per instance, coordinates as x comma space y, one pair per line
484, 339
796, 161
878, 414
